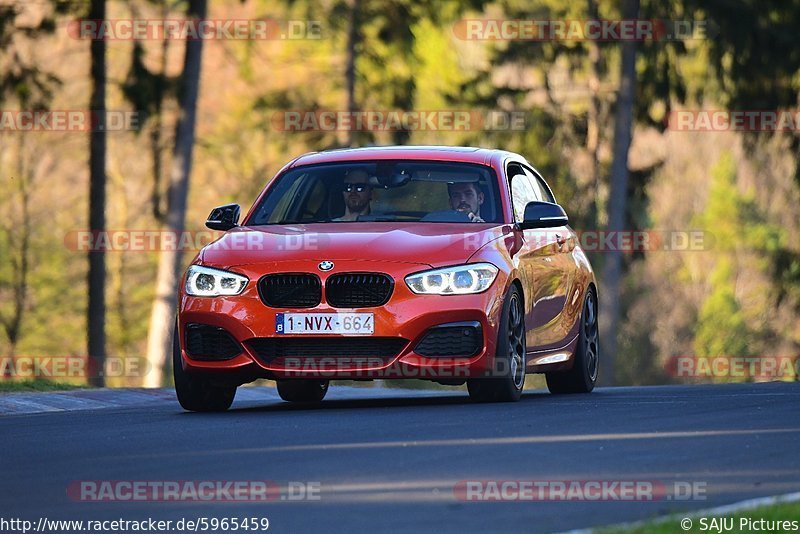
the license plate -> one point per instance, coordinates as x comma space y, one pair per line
325, 323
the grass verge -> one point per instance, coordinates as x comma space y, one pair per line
38, 384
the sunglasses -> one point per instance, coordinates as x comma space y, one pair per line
358, 188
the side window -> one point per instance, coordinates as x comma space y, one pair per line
541, 187
302, 199
522, 191
284, 200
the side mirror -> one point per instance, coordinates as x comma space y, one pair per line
543, 215
224, 217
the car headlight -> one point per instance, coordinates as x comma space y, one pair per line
207, 282
460, 280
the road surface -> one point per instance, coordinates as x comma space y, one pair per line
394, 460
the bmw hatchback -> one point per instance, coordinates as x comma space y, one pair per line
454, 265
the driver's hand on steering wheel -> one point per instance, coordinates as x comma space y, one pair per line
475, 218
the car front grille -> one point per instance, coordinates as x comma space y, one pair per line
343, 290
290, 290
327, 351
358, 290
205, 342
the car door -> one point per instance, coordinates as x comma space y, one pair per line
539, 266
552, 325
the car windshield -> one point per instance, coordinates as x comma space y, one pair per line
381, 191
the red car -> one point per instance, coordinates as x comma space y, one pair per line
439, 263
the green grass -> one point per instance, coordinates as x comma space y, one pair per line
776, 512
39, 384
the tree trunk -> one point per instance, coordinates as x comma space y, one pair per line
350, 69
593, 116
117, 266
96, 327
19, 235
617, 201
162, 315
156, 147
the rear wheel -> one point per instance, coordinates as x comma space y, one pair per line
509, 358
302, 390
583, 375
197, 393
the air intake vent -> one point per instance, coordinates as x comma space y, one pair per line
205, 342
454, 339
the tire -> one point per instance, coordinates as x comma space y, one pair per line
302, 390
196, 393
509, 357
583, 375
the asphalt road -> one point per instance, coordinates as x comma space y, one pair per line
388, 460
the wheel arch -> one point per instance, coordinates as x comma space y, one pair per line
516, 282
593, 287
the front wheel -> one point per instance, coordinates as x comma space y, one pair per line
583, 375
302, 390
196, 393
509, 358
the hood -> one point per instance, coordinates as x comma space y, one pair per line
433, 244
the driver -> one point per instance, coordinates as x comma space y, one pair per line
357, 193
467, 198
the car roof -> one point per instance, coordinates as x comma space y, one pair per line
482, 156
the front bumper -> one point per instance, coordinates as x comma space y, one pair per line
401, 323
